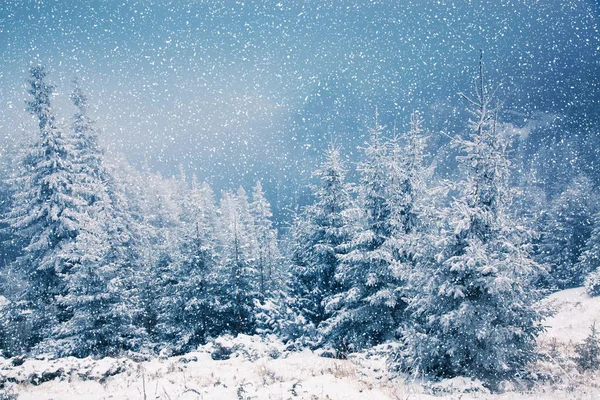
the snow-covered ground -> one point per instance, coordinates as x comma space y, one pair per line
258, 369
575, 313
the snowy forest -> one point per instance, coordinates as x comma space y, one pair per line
437, 237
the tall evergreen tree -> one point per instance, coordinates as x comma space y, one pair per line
318, 235
474, 315
267, 257
362, 311
590, 259
133, 244
87, 152
186, 315
565, 228
98, 286
7, 245
373, 273
238, 291
48, 212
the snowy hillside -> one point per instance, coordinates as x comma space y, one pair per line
576, 312
253, 368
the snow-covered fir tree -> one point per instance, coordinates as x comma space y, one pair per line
373, 274
185, 309
590, 259
98, 286
87, 152
137, 250
238, 289
268, 258
408, 175
362, 312
474, 314
48, 210
564, 230
318, 234
408, 193
7, 246
269, 265
162, 227
588, 352
592, 283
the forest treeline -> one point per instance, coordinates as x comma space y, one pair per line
102, 259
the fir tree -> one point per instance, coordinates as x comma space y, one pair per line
98, 286
362, 312
318, 235
588, 352
87, 152
186, 315
268, 257
474, 315
592, 283
373, 274
238, 291
565, 229
590, 259
48, 211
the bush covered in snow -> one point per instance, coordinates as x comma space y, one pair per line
592, 283
455, 385
250, 348
588, 352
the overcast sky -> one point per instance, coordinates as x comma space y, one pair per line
239, 90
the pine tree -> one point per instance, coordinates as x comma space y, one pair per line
48, 211
87, 152
318, 234
362, 312
474, 315
186, 315
413, 208
98, 286
137, 250
268, 257
162, 231
7, 242
238, 290
407, 186
373, 274
588, 352
565, 229
590, 259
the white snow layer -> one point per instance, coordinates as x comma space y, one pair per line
263, 369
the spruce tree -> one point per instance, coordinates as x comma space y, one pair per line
98, 286
267, 257
475, 314
318, 234
565, 229
136, 252
590, 259
362, 311
237, 290
48, 211
588, 352
373, 274
186, 315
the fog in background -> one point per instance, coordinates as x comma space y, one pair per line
240, 91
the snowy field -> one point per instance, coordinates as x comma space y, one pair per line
259, 369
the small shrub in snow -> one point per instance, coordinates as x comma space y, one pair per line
459, 384
249, 347
7, 393
588, 352
592, 283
